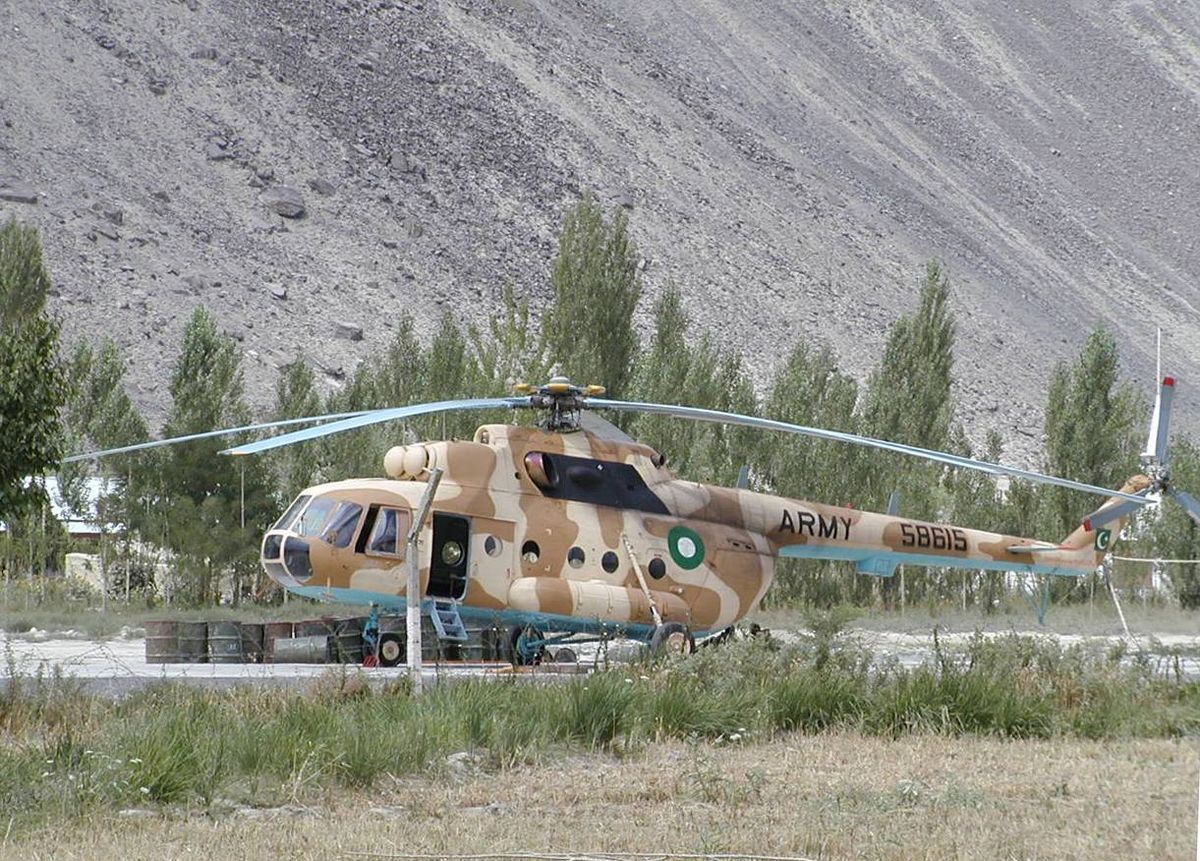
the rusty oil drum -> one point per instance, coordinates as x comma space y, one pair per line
252, 642
224, 643
302, 650
193, 642
314, 628
162, 642
273, 631
346, 642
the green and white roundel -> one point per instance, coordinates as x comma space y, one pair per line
686, 546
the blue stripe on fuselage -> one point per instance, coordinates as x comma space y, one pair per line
544, 621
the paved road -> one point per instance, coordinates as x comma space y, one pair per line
119, 666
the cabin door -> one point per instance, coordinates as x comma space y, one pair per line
448, 566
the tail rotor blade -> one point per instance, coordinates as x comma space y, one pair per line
1160, 424
1188, 502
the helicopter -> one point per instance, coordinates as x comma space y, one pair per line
572, 528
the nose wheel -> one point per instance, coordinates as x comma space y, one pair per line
672, 638
391, 650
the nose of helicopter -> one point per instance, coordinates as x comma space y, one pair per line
285, 557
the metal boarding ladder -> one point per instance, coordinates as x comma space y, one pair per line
446, 619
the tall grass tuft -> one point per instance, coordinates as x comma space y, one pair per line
812, 701
598, 710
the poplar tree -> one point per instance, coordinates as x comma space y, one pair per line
588, 329
679, 369
203, 489
450, 372
356, 453
296, 397
33, 384
99, 414
810, 390
1093, 427
908, 400
662, 376
508, 350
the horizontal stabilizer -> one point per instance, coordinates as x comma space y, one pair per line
1033, 548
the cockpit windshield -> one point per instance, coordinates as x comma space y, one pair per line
313, 519
286, 520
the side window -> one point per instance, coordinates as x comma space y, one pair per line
389, 533
342, 525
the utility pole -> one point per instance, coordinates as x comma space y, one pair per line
412, 596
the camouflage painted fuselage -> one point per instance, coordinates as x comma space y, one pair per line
557, 526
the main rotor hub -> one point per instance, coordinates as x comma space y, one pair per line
561, 400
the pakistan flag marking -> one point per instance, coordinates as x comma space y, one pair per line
686, 546
1103, 538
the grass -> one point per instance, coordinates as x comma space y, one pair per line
1097, 619
836, 795
64, 753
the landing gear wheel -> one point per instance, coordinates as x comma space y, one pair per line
521, 650
391, 650
671, 638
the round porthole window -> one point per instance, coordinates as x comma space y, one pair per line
530, 551
657, 568
492, 545
575, 557
609, 562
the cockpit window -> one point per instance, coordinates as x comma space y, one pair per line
342, 525
314, 517
389, 533
286, 520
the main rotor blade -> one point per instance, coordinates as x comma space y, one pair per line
1188, 502
1160, 422
603, 428
720, 417
1109, 513
374, 417
91, 455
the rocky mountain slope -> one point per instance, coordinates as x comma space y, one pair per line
791, 166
